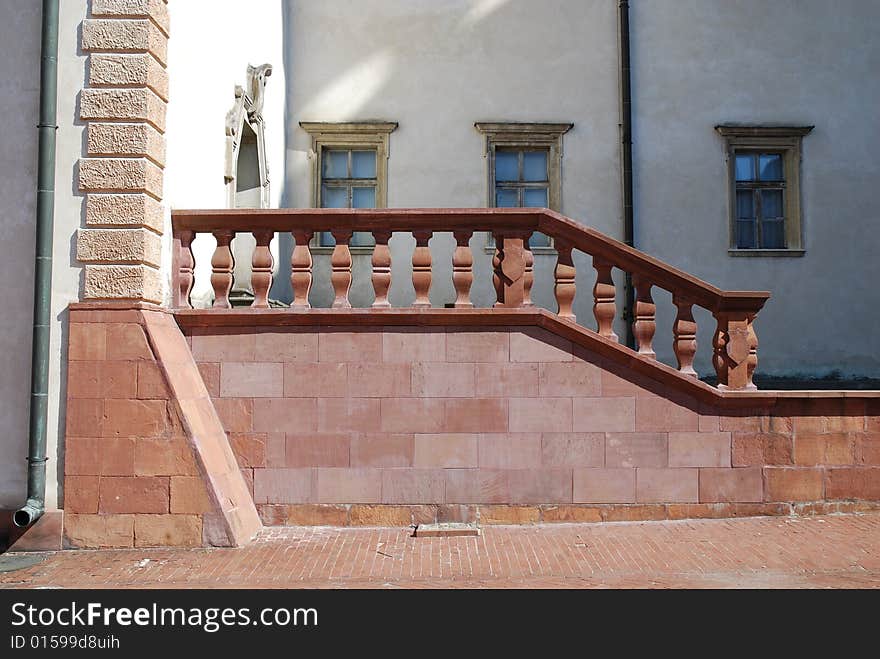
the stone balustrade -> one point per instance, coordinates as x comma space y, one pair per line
734, 342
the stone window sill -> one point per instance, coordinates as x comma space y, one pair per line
766, 252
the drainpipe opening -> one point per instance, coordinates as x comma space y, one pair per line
28, 514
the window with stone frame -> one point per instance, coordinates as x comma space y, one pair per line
524, 168
764, 189
349, 170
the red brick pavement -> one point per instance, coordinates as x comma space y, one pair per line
762, 552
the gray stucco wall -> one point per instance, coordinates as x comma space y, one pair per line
19, 81
436, 68
19, 102
806, 62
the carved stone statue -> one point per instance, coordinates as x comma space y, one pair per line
256, 86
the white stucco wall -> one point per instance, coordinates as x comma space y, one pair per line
212, 42
69, 216
697, 64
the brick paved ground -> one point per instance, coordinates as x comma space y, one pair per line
829, 551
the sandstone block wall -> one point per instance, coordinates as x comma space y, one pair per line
353, 426
194, 438
121, 172
146, 462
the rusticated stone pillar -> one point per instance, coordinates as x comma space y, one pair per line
121, 172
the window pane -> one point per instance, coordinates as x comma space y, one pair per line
771, 204
362, 239
770, 165
506, 198
334, 197
506, 165
745, 204
535, 197
363, 164
745, 167
745, 234
773, 234
363, 197
335, 164
534, 166
539, 239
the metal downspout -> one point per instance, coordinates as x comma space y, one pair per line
36, 479
626, 158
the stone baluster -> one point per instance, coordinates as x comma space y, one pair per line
340, 264
261, 268
301, 269
732, 349
719, 358
496, 268
604, 306
529, 276
462, 269
644, 324
564, 287
752, 360
684, 331
421, 265
222, 264
185, 263
509, 269
381, 269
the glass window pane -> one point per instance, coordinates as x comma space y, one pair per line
770, 166
327, 239
745, 167
362, 239
506, 165
773, 234
335, 164
363, 164
771, 204
745, 204
363, 197
334, 197
745, 234
506, 198
535, 197
539, 239
534, 166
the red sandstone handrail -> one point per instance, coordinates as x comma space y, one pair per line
734, 341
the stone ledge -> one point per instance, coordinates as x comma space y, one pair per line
124, 70
132, 140
446, 530
124, 35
